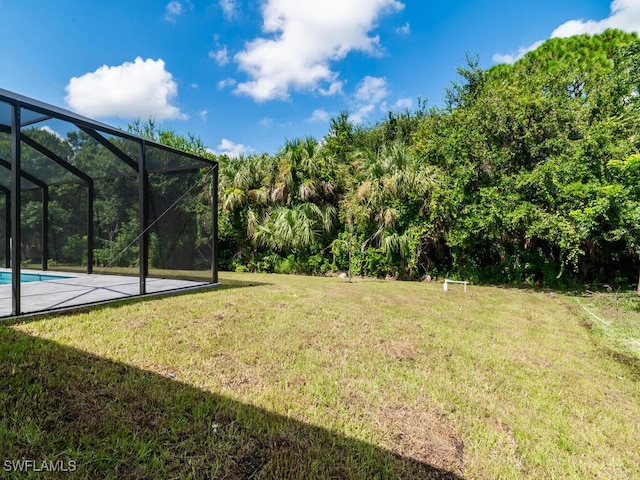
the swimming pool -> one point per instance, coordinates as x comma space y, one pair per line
5, 277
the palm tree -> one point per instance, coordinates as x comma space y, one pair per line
391, 189
294, 228
297, 167
244, 196
285, 202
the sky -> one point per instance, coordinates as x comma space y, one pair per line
245, 76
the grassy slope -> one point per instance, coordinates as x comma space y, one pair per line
616, 318
297, 377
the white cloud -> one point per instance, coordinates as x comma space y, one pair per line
319, 115
371, 90
142, 89
334, 88
175, 8
231, 149
172, 11
227, 82
400, 104
404, 30
506, 57
203, 115
302, 39
221, 56
229, 8
403, 103
625, 15
266, 122
51, 131
370, 93
361, 113
522, 51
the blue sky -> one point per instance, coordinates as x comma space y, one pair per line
244, 76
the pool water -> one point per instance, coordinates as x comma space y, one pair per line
5, 277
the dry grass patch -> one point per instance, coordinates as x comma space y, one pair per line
424, 434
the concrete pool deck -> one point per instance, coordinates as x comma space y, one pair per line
81, 289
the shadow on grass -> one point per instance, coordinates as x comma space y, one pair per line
110, 420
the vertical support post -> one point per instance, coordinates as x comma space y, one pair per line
143, 217
90, 229
45, 228
350, 247
16, 232
7, 229
214, 224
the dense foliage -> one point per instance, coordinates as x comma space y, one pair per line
529, 174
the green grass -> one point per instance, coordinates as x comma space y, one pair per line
306, 377
616, 318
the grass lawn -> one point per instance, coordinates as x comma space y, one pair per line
277, 376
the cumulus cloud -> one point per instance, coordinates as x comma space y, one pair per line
522, 51
370, 93
143, 89
231, 149
227, 82
302, 39
371, 90
174, 9
50, 130
229, 8
400, 104
221, 56
334, 88
404, 30
361, 113
319, 115
403, 103
625, 15
266, 122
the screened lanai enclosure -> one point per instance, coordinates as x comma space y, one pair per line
80, 201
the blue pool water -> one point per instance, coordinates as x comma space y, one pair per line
5, 277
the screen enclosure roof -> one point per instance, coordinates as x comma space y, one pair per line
50, 135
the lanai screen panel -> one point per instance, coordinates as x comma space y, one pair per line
180, 222
74, 192
5, 165
178, 211
77, 147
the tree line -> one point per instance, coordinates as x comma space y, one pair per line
528, 174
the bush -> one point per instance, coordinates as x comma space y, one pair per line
75, 250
